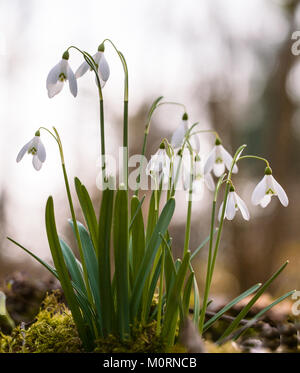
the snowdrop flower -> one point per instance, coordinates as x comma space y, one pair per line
58, 75
37, 149
234, 203
267, 188
218, 159
180, 132
102, 66
200, 180
159, 165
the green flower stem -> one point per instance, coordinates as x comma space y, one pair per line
254, 157
189, 209
211, 266
89, 59
160, 296
102, 132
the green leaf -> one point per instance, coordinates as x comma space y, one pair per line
236, 300
103, 253
239, 332
152, 288
91, 264
196, 302
72, 265
137, 209
170, 270
187, 295
87, 209
63, 274
151, 250
42, 262
120, 235
174, 301
248, 306
138, 236
80, 296
152, 218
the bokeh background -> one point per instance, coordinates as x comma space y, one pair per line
229, 62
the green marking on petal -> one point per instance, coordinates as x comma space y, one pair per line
270, 191
62, 77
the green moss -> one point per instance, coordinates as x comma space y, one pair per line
53, 331
143, 339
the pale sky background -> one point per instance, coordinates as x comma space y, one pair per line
168, 46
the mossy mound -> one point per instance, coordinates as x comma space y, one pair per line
53, 331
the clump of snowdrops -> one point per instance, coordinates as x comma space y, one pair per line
144, 282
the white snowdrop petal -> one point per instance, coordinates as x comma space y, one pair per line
265, 200
54, 89
230, 208
41, 152
227, 158
210, 161
198, 188
209, 181
23, 151
178, 136
283, 198
243, 207
219, 169
37, 164
82, 69
103, 68
72, 81
259, 191
53, 75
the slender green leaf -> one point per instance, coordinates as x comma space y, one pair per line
238, 333
72, 265
150, 253
137, 209
152, 288
103, 253
138, 236
152, 218
174, 302
91, 264
186, 299
236, 300
170, 270
196, 302
63, 274
249, 305
87, 209
120, 235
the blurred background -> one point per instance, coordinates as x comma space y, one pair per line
229, 62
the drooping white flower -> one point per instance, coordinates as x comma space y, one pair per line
199, 179
58, 75
37, 149
180, 132
159, 165
102, 66
234, 203
266, 189
218, 159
